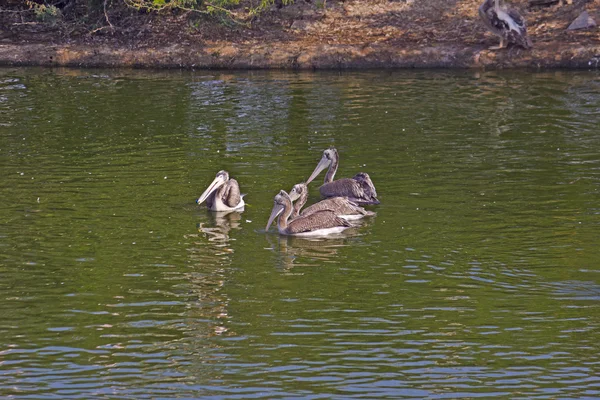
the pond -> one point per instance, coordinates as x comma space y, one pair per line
479, 275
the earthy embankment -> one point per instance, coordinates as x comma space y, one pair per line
298, 56
305, 35
292, 56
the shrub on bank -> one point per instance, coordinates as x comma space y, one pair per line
103, 13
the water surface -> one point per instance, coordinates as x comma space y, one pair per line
478, 277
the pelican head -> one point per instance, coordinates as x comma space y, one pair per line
329, 156
220, 179
362, 176
281, 201
297, 191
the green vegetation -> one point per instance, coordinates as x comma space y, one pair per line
101, 14
46, 13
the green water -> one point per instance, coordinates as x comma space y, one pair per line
478, 277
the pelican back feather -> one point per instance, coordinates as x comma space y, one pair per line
339, 205
323, 219
367, 184
231, 195
345, 187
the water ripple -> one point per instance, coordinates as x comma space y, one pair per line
477, 277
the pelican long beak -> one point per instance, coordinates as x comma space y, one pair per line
215, 184
277, 209
324, 163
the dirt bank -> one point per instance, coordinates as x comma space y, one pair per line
350, 34
297, 56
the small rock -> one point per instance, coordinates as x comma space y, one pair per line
584, 21
300, 25
298, 11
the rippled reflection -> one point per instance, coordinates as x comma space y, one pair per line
478, 277
301, 252
211, 255
221, 223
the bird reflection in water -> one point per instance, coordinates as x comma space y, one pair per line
211, 260
294, 251
222, 222
304, 252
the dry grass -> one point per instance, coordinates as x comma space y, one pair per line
402, 23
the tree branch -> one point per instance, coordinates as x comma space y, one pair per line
106, 16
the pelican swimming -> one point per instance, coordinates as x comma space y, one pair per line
223, 194
359, 189
506, 23
319, 223
341, 206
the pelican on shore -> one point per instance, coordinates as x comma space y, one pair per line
506, 23
359, 189
341, 206
223, 194
319, 223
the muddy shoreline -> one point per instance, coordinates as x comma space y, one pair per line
297, 56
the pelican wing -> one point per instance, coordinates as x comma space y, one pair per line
367, 184
490, 18
510, 25
343, 188
518, 32
517, 19
231, 194
323, 219
339, 205
354, 190
500, 22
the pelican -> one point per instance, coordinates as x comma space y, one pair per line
223, 194
319, 223
359, 189
506, 23
341, 206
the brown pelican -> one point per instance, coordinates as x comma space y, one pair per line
341, 206
223, 194
319, 223
506, 23
359, 189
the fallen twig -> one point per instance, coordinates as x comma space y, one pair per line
100, 29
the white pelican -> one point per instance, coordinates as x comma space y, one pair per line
341, 206
359, 189
223, 194
506, 23
319, 223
